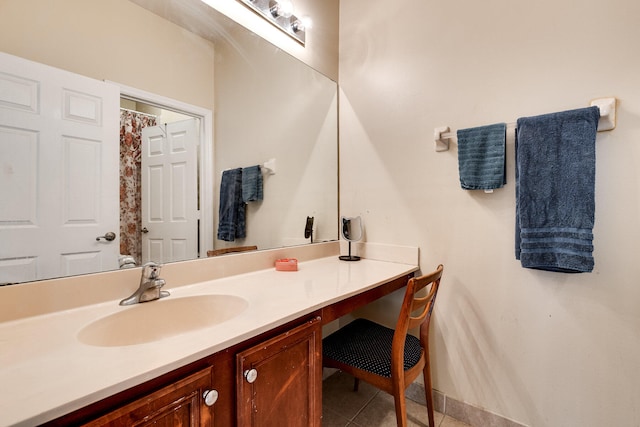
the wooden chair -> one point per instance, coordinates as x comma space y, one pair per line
223, 251
387, 359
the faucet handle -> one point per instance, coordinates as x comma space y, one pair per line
151, 270
152, 264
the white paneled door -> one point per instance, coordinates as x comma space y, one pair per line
59, 175
170, 191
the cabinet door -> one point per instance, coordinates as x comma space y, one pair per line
279, 382
180, 404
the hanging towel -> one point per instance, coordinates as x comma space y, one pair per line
555, 183
231, 224
251, 184
481, 157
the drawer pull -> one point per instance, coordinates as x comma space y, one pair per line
210, 397
250, 375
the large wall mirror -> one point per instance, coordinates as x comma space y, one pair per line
267, 110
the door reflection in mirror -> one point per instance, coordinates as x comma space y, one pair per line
158, 183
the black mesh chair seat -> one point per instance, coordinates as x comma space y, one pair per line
366, 345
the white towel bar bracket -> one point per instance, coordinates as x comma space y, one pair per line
607, 108
269, 167
442, 135
442, 143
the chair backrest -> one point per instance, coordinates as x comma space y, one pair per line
416, 310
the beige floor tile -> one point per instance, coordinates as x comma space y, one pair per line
452, 422
380, 412
369, 407
333, 419
339, 397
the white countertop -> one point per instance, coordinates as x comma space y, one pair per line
46, 372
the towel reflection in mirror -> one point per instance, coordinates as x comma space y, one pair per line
238, 187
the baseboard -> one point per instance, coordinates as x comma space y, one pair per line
461, 411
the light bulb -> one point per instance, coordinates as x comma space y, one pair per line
282, 8
286, 8
307, 22
301, 24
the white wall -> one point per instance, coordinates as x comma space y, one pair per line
541, 348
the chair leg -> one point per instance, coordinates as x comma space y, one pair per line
356, 383
428, 389
401, 407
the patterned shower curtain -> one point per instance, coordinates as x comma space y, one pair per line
131, 124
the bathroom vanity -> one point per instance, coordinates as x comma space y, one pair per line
261, 362
223, 390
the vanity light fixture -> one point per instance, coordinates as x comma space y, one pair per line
280, 13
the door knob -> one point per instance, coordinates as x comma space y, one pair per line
250, 375
210, 397
144, 230
108, 236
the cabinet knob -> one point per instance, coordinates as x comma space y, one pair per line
210, 397
250, 375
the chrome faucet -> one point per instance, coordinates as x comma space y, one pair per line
150, 284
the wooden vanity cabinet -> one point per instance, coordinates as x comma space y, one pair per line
179, 404
176, 398
279, 381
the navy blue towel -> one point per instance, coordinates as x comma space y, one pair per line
555, 184
481, 157
251, 184
231, 223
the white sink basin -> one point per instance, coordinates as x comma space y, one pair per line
155, 320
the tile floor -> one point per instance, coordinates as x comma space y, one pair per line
369, 407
